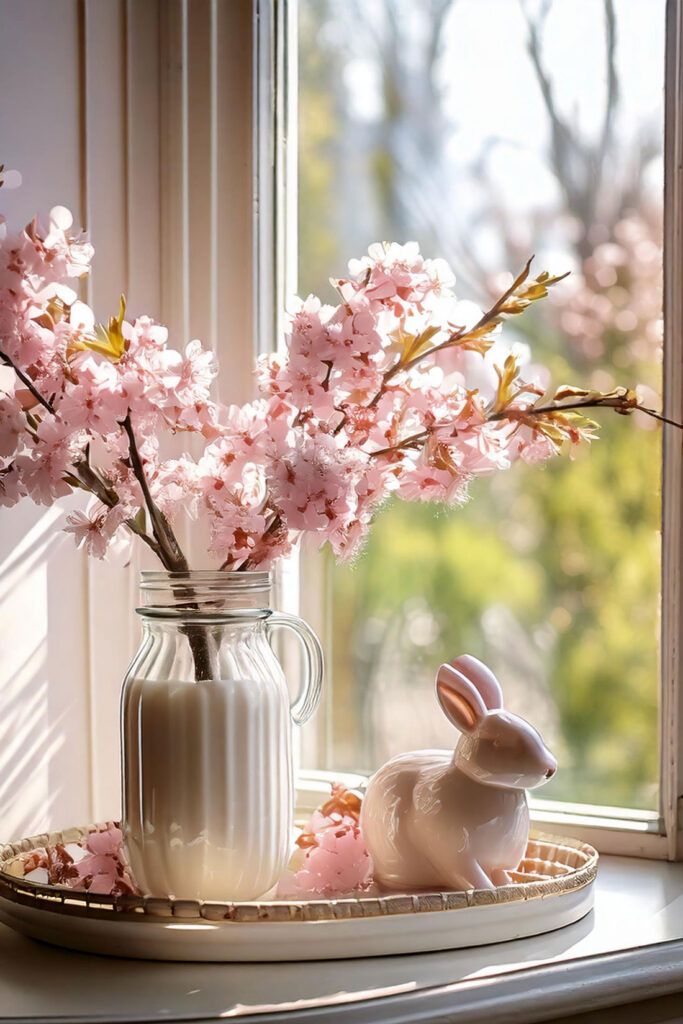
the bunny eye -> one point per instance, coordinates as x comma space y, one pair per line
497, 743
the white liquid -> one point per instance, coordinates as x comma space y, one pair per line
208, 787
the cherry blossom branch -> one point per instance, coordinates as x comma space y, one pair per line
273, 526
457, 336
413, 441
164, 543
90, 481
623, 403
84, 475
174, 559
461, 333
27, 382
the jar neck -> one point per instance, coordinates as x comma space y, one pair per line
204, 594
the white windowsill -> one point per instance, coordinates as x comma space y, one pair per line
629, 948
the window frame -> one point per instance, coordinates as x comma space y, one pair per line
611, 830
671, 705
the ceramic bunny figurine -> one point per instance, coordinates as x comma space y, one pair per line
442, 820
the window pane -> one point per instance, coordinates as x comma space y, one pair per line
487, 131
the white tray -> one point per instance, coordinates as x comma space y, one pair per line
553, 887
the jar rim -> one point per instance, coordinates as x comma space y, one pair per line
235, 581
211, 593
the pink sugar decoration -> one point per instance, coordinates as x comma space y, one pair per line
334, 860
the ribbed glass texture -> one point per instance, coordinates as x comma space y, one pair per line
206, 737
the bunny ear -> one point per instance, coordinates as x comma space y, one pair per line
459, 699
482, 677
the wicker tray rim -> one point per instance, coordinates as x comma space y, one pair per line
578, 861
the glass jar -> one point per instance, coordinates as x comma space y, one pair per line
208, 781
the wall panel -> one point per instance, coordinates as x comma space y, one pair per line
67, 631
137, 115
44, 697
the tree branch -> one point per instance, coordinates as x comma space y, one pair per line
458, 336
87, 479
84, 475
173, 558
622, 404
27, 382
412, 441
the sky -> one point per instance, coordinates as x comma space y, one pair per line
492, 93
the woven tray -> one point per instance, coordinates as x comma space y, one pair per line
552, 887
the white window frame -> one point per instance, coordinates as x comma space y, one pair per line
612, 830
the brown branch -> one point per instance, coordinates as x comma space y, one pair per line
458, 336
84, 475
88, 480
27, 382
173, 558
620, 403
409, 442
461, 334
164, 544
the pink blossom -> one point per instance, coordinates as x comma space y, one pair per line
50, 457
332, 859
96, 864
105, 843
307, 337
313, 484
398, 277
538, 450
175, 487
12, 486
196, 372
69, 255
424, 481
236, 531
104, 869
145, 334
483, 449
12, 425
95, 401
96, 529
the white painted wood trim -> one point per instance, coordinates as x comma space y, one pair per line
120, 130
206, 184
184, 111
275, 85
672, 494
206, 181
84, 73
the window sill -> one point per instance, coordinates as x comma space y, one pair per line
629, 948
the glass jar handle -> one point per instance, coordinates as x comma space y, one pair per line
307, 699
